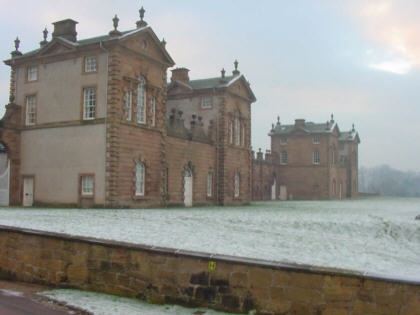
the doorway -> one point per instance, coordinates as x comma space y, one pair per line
188, 188
283, 192
28, 191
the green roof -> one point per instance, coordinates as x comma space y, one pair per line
211, 83
309, 127
313, 128
98, 39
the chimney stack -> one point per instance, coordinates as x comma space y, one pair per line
180, 74
65, 29
299, 122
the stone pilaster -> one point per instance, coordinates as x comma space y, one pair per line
114, 112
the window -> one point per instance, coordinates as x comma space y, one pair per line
87, 185
315, 140
32, 73
153, 110
89, 103
243, 135
209, 184
316, 158
283, 140
141, 101
140, 179
236, 185
167, 181
90, 64
206, 102
334, 188
128, 102
237, 129
30, 110
283, 157
230, 132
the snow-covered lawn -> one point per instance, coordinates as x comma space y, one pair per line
370, 235
104, 304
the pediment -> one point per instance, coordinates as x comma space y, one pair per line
145, 41
336, 131
176, 87
242, 88
55, 47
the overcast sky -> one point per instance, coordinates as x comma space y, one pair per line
304, 59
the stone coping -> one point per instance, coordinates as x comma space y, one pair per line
214, 257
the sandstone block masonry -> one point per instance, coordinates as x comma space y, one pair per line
232, 284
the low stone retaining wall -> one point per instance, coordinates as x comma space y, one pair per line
163, 275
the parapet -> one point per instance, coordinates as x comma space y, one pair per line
176, 127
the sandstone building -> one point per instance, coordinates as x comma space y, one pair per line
307, 161
94, 123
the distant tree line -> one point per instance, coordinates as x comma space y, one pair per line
387, 181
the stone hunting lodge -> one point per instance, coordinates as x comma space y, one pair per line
96, 123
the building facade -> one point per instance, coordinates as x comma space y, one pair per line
307, 161
93, 123
97, 123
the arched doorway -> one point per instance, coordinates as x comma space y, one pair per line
273, 190
188, 187
4, 176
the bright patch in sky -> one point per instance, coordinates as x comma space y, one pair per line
395, 66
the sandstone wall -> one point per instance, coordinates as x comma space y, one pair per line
202, 157
162, 275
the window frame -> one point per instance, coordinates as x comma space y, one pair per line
283, 161
283, 140
142, 184
243, 135
316, 157
128, 104
315, 140
84, 112
83, 193
236, 185
153, 111
230, 132
28, 73
207, 102
237, 131
141, 95
87, 64
209, 184
34, 106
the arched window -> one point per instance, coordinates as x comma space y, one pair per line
236, 185
153, 111
140, 172
243, 135
283, 157
316, 157
333, 155
209, 184
237, 129
128, 101
141, 101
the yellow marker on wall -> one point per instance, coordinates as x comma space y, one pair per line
212, 265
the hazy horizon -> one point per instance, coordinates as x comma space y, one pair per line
359, 60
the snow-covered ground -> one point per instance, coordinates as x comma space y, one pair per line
370, 235
103, 304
